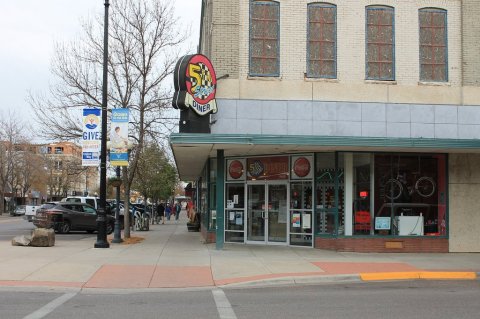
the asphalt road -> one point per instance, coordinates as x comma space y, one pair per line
393, 300
16, 226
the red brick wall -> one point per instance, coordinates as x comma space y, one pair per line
380, 245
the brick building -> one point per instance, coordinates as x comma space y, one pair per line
65, 175
348, 125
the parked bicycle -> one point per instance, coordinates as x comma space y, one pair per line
142, 221
398, 188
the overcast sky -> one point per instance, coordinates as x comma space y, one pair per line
28, 31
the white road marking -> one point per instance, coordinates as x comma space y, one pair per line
51, 306
224, 307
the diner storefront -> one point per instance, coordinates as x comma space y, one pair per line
347, 201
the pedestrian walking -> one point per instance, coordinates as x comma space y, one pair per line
161, 212
178, 208
168, 211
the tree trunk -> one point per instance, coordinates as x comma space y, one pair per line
2, 203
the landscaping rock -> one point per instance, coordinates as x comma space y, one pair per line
21, 240
42, 237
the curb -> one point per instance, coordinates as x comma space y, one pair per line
432, 275
293, 280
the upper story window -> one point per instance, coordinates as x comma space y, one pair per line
264, 38
433, 45
322, 41
58, 150
380, 43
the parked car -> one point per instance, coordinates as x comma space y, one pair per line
30, 211
90, 200
65, 216
19, 210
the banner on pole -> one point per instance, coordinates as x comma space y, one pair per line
91, 137
119, 138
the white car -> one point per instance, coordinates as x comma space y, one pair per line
20, 210
30, 211
90, 200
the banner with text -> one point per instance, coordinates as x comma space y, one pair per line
91, 137
119, 138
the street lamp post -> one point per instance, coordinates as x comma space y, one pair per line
101, 214
116, 234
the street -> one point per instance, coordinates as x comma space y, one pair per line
416, 299
16, 226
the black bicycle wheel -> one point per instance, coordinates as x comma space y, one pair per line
425, 186
393, 189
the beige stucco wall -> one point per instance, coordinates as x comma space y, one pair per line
464, 208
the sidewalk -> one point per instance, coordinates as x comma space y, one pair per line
172, 257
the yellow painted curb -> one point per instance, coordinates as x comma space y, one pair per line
448, 275
389, 276
417, 275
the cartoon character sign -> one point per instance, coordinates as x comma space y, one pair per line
195, 85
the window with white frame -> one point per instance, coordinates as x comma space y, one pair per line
264, 38
380, 43
322, 41
433, 45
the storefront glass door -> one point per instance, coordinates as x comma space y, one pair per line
267, 213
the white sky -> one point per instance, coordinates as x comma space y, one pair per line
28, 31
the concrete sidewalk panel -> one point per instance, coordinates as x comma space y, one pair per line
64, 271
181, 277
121, 276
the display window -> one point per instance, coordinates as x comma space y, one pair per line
380, 194
301, 213
329, 194
410, 194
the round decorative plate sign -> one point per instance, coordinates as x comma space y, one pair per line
235, 169
301, 167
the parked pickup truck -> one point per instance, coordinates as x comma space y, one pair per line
30, 211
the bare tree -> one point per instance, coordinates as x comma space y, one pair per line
144, 45
12, 134
61, 174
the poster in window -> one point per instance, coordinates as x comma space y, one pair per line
238, 218
306, 221
296, 220
382, 223
282, 212
231, 216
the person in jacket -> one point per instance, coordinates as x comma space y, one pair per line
168, 211
161, 212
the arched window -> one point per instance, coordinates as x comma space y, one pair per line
322, 41
433, 45
380, 43
264, 38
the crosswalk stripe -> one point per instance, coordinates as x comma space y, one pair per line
224, 307
49, 307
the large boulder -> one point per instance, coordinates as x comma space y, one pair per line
42, 237
21, 240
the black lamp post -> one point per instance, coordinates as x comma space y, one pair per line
101, 214
116, 234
